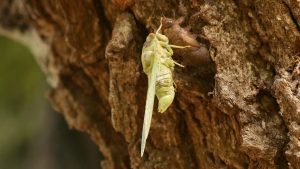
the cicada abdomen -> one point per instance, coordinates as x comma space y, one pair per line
158, 65
165, 90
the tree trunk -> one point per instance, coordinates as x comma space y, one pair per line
237, 102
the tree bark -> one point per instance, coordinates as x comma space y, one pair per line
237, 102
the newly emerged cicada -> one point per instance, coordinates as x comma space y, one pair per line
158, 65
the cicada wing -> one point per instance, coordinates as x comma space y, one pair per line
149, 102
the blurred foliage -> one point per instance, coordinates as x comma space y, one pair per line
32, 135
21, 101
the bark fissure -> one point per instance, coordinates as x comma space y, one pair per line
292, 16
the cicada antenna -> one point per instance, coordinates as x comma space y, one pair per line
160, 26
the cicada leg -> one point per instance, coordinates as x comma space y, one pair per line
178, 64
180, 47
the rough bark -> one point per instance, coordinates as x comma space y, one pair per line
238, 110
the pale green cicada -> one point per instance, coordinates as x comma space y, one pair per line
158, 65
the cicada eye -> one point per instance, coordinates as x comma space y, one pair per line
150, 37
149, 40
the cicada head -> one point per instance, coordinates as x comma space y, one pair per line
165, 101
149, 40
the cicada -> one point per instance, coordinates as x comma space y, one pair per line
158, 65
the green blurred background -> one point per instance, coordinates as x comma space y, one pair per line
32, 136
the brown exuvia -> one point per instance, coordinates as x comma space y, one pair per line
197, 54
